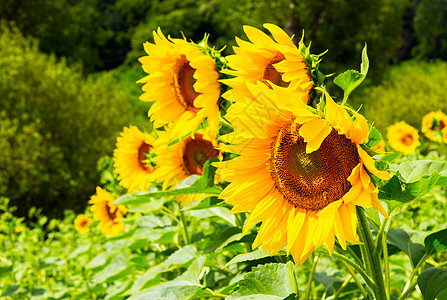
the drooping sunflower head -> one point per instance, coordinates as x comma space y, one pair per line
179, 161
274, 62
300, 171
434, 126
403, 137
107, 213
133, 162
82, 223
183, 83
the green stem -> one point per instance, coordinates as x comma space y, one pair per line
354, 255
408, 289
183, 225
371, 258
291, 268
349, 263
357, 281
311, 275
386, 262
166, 211
344, 284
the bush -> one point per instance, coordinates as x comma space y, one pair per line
409, 91
65, 120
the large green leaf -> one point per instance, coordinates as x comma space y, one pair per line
413, 180
400, 239
374, 137
176, 259
351, 79
248, 257
269, 281
118, 268
183, 287
433, 283
436, 242
194, 185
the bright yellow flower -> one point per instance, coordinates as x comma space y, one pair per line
179, 161
183, 83
299, 172
107, 213
132, 165
277, 62
403, 137
434, 126
19, 229
81, 223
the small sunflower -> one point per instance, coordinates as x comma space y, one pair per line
434, 126
278, 62
183, 83
107, 213
132, 163
301, 172
179, 161
403, 137
81, 223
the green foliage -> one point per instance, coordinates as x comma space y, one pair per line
67, 28
433, 283
430, 29
408, 93
53, 133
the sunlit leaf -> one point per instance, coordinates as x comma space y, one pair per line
183, 287
269, 281
247, 257
351, 79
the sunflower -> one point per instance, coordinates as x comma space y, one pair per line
434, 126
107, 213
403, 137
183, 83
179, 161
277, 62
300, 171
132, 163
81, 224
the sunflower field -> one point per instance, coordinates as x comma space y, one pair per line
252, 172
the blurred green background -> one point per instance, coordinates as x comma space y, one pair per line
69, 67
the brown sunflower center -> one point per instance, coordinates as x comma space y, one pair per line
111, 215
442, 124
271, 74
183, 81
196, 152
142, 159
407, 139
83, 223
312, 180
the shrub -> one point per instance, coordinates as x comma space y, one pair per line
409, 91
65, 120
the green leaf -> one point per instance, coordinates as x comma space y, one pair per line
351, 79
418, 178
80, 250
400, 239
5, 270
11, 290
269, 281
433, 283
118, 267
436, 242
247, 257
176, 259
183, 287
412, 171
374, 137
98, 261
203, 185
